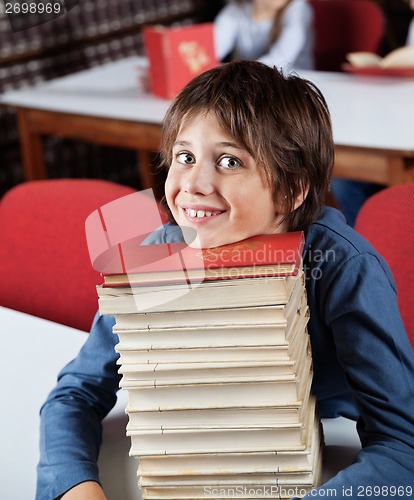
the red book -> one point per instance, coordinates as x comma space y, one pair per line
176, 55
259, 256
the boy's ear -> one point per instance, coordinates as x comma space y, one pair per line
283, 207
302, 197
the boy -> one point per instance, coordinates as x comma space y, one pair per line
250, 151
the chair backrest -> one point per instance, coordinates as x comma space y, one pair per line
387, 221
45, 268
343, 26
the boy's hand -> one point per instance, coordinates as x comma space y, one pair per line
89, 490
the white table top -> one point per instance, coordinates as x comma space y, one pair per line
107, 91
369, 112
36, 350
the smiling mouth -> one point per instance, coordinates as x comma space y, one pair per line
201, 214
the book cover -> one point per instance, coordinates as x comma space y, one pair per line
176, 55
258, 256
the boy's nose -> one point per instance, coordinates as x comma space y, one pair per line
199, 180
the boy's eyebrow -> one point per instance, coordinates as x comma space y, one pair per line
181, 143
233, 145
224, 144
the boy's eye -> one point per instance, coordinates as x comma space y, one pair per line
230, 162
185, 158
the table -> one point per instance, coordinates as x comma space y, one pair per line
372, 125
371, 118
100, 105
35, 350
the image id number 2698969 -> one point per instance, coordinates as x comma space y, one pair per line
33, 8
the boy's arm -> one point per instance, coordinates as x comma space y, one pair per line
359, 304
70, 419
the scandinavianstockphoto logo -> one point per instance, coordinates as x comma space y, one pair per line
24, 14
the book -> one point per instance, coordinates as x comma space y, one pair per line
135, 326
128, 354
229, 492
213, 335
402, 57
287, 384
200, 372
267, 392
176, 55
175, 441
231, 463
276, 315
279, 474
222, 439
215, 357
249, 292
211, 355
265, 479
255, 416
258, 256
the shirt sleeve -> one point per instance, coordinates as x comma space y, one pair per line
70, 419
296, 32
359, 303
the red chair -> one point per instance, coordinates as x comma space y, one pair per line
45, 268
387, 221
343, 26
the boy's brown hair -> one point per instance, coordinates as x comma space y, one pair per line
282, 121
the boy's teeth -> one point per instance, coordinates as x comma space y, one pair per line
198, 213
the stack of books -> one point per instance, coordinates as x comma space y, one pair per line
215, 356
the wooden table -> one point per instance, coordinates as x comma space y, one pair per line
372, 119
372, 124
100, 105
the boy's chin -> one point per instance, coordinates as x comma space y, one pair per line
196, 239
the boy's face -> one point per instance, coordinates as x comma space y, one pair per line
215, 188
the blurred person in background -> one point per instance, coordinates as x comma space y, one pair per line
275, 32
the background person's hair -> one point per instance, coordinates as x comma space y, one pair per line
282, 121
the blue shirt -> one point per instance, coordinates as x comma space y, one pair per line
363, 369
